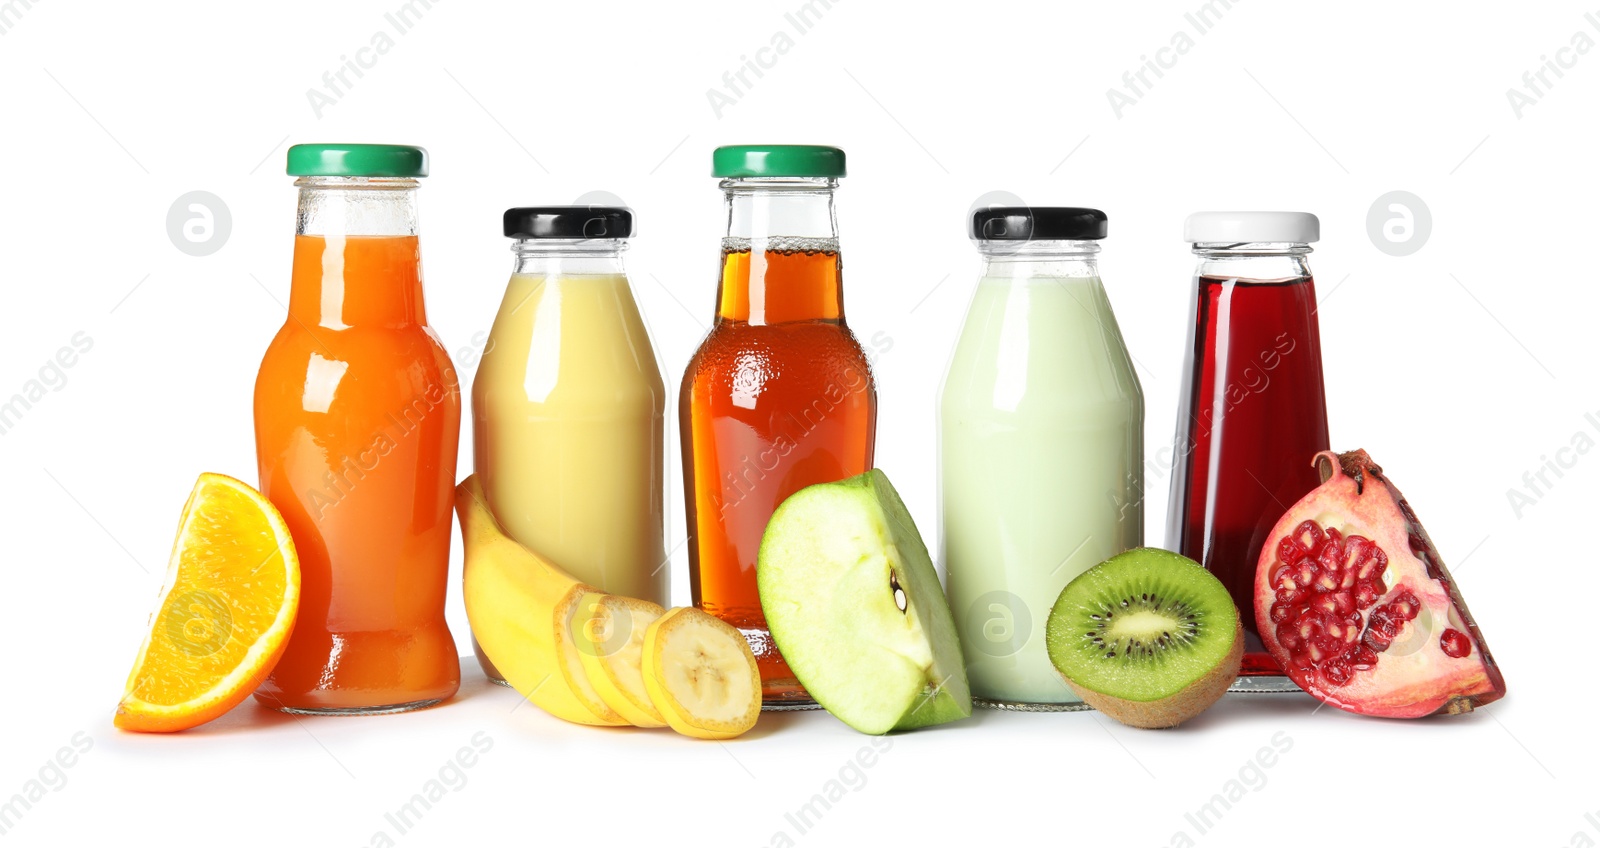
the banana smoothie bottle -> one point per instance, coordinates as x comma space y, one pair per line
568, 405
1041, 446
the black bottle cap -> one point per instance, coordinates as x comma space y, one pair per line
569, 222
1033, 223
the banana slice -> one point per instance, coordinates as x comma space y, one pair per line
701, 675
573, 619
609, 633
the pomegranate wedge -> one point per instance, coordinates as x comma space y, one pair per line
1355, 604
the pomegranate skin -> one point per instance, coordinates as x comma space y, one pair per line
1413, 675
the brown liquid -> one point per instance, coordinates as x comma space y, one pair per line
778, 397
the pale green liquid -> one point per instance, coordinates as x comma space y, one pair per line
1041, 468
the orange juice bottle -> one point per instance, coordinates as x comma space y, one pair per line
357, 412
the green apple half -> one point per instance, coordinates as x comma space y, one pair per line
854, 605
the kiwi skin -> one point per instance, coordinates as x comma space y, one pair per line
1178, 707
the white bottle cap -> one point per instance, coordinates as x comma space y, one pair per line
1239, 227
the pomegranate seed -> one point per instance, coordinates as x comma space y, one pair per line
1288, 550
1337, 671
1380, 564
1365, 594
1281, 613
1331, 555
1454, 643
1368, 569
1406, 606
1308, 536
1291, 595
1356, 549
1344, 603
1326, 581
1288, 639
1362, 657
1382, 622
1282, 573
1305, 573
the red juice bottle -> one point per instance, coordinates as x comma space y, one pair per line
1252, 414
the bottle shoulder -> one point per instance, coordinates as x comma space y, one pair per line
1040, 344
401, 355
559, 341
797, 358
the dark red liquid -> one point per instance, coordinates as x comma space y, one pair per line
1251, 419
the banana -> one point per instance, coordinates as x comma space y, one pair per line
520, 606
701, 675
609, 632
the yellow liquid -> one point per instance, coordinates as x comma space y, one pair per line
567, 409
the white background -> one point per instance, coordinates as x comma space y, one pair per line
1459, 367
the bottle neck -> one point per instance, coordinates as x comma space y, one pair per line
569, 257
356, 258
780, 252
1022, 260
356, 206
1253, 261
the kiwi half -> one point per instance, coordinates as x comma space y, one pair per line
1147, 637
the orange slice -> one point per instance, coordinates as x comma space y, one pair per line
232, 590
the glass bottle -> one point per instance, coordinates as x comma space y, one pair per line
1252, 413
357, 413
1041, 446
779, 395
568, 405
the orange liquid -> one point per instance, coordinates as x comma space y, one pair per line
779, 397
357, 413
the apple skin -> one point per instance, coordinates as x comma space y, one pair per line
837, 562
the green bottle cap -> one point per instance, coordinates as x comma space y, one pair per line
777, 160
357, 160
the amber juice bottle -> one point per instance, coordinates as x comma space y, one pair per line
780, 395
